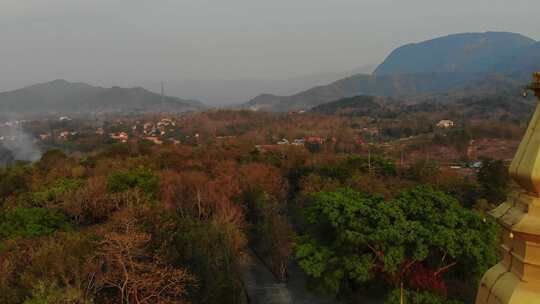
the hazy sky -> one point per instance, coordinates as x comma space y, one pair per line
128, 42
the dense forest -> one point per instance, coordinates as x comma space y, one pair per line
140, 222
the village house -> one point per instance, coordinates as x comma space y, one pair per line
165, 125
445, 124
121, 137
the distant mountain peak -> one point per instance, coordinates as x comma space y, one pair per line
456, 53
456, 64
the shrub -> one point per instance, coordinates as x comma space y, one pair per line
55, 191
141, 178
31, 222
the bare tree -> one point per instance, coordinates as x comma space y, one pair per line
138, 277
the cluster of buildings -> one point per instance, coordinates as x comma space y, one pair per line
302, 141
151, 131
158, 129
299, 142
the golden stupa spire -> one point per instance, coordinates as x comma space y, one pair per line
516, 279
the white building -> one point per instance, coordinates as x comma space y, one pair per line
445, 124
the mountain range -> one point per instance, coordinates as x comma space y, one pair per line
470, 63
63, 97
435, 70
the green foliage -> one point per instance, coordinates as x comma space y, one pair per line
141, 178
56, 190
416, 297
354, 237
31, 222
375, 163
13, 180
468, 238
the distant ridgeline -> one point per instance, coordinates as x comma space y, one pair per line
500, 108
472, 64
60, 96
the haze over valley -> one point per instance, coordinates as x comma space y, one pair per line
269, 152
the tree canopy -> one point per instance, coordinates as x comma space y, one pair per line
355, 238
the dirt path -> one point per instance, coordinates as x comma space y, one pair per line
262, 287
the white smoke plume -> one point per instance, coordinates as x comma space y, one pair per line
21, 145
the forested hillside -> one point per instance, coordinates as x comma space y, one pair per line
172, 220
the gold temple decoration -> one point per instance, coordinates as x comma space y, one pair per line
516, 279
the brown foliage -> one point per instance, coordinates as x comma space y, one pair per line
90, 204
386, 186
61, 263
257, 176
137, 275
13, 258
316, 183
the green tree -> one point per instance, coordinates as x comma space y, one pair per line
355, 238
